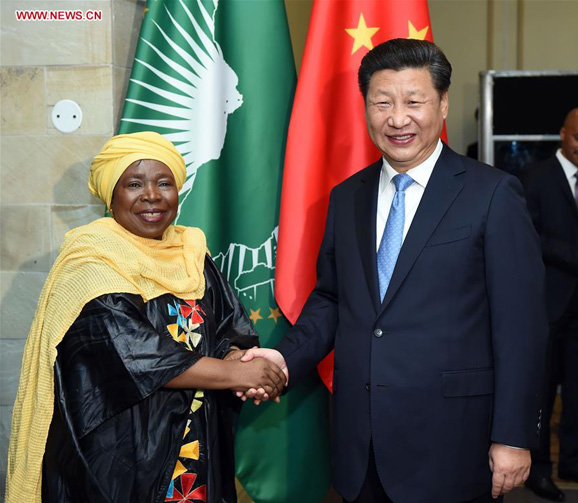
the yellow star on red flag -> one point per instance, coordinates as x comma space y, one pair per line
415, 34
361, 35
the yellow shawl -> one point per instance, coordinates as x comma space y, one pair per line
96, 259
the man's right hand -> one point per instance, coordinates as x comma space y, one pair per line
258, 374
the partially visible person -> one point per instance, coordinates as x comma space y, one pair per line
552, 198
136, 340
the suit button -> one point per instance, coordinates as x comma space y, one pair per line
367, 386
377, 332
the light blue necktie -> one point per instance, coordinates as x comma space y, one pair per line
393, 234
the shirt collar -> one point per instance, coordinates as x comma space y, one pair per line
569, 168
421, 173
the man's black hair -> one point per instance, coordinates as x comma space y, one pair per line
402, 53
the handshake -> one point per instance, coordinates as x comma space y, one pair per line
260, 373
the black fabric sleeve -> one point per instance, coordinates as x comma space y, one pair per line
112, 357
233, 326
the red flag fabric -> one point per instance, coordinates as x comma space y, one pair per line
327, 140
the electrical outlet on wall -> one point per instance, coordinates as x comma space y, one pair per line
66, 116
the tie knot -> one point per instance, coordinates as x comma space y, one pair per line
402, 182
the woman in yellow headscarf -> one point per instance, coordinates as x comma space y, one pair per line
135, 340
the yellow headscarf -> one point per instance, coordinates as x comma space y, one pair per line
96, 259
121, 151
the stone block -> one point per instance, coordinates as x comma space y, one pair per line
10, 361
19, 292
5, 424
121, 80
91, 88
25, 244
127, 16
65, 218
22, 100
47, 169
55, 42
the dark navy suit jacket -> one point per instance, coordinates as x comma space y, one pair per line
555, 214
452, 360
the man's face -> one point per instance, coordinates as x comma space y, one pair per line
404, 115
569, 137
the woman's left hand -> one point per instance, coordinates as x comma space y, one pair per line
257, 395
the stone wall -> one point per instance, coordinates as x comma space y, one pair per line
43, 172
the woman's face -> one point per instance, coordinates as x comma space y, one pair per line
145, 199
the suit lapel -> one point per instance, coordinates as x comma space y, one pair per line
365, 218
442, 189
562, 182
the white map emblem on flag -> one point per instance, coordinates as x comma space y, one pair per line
207, 92
250, 270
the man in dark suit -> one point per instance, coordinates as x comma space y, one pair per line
552, 199
430, 291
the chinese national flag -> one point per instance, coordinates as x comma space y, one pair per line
327, 140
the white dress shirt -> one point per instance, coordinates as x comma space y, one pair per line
570, 170
420, 174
